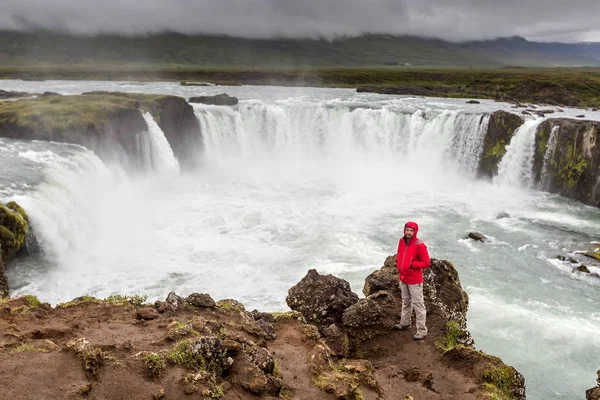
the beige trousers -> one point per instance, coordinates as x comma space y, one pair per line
412, 299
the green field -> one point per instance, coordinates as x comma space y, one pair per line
561, 86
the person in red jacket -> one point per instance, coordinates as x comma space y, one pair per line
411, 260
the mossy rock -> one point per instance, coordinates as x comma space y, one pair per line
13, 228
501, 128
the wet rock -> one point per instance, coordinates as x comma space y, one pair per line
582, 268
569, 259
201, 300
502, 214
222, 99
195, 84
480, 237
580, 116
473, 102
147, 313
501, 128
321, 299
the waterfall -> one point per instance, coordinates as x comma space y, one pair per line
516, 167
154, 149
305, 132
546, 178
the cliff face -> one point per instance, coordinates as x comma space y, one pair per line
106, 123
567, 160
120, 347
501, 128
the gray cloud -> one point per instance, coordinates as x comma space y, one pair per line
446, 19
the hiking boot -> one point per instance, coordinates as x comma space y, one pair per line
419, 337
399, 327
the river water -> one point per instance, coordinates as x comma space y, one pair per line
299, 178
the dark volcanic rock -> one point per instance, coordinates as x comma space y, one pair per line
480, 237
594, 393
147, 313
222, 99
321, 299
201, 300
501, 128
473, 102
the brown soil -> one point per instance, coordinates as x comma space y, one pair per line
36, 363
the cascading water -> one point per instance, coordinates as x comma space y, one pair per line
156, 148
516, 167
324, 133
548, 156
318, 178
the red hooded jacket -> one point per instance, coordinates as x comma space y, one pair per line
412, 258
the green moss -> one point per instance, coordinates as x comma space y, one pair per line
32, 300
15, 223
27, 347
79, 300
226, 306
496, 151
154, 363
121, 300
17, 208
571, 166
500, 379
74, 113
451, 337
181, 354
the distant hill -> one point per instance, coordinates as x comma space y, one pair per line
42, 47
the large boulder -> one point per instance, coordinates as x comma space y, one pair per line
321, 299
222, 99
501, 128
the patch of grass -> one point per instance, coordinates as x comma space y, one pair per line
451, 337
154, 363
79, 300
226, 306
181, 354
32, 300
119, 300
27, 347
501, 378
285, 393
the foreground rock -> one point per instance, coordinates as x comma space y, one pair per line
222, 99
594, 393
198, 348
108, 123
13, 230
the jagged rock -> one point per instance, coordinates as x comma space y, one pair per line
501, 128
201, 300
321, 299
250, 376
502, 214
594, 393
268, 332
480, 237
582, 268
262, 358
222, 99
257, 315
337, 340
371, 316
569, 259
209, 349
147, 313
174, 300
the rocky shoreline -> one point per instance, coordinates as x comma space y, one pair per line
333, 345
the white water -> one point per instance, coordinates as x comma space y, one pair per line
516, 167
548, 156
317, 178
160, 154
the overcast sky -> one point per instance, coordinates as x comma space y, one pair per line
568, 21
